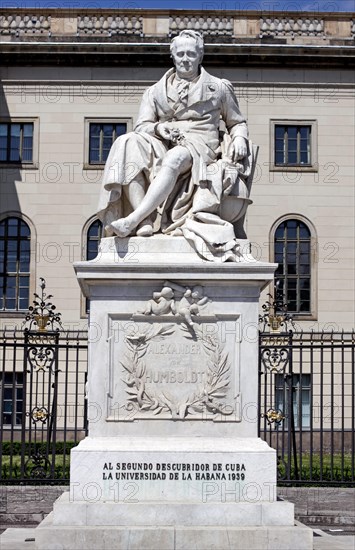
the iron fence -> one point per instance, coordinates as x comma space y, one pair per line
42, 403
307, 405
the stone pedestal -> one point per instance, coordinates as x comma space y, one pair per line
172, 460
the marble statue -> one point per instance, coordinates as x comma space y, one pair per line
186, 169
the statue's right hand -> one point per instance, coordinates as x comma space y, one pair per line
164, 131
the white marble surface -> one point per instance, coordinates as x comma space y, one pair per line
64, 537
175, 173
118, 292
221, 514
173, 470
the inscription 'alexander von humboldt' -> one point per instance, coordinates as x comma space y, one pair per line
172, 369
178, 363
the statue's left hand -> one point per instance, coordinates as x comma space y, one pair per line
239, 149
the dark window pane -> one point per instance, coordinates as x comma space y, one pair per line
28, 130
12, 227
120, 129
295, 262
280, 231
95, 130
305, 307
93, 239
292, 145
305, 131
94, 156
292, 132
14, 259
279, 157
292, 157
10, 303
279, 132
105, 153
102, 137
304, 231
304, 157
304, 269
305, 283
8, 393
291, 269
108, 130
23, 303
24, 229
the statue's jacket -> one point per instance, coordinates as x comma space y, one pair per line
209, 100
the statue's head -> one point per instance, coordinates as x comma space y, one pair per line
187, 52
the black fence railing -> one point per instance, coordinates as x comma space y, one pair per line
307, 405
42, 404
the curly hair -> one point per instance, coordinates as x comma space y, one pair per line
189, 34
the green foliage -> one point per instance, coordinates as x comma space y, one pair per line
15, 447
41, 471
316, 469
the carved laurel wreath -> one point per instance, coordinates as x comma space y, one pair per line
205, 399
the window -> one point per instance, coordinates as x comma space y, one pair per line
16, 142
301, 396
15, 252
100, 135
294, 145
11, 398
292, 251
93, 237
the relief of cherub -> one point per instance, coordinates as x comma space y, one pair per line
161, 303
190, 302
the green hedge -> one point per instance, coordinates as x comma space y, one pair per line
15, 448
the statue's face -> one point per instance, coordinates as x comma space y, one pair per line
186, 57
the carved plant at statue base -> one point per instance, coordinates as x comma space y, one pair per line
203, 400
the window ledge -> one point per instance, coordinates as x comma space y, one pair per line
88, 166
13, 314
298, 168
19, 165
304, 316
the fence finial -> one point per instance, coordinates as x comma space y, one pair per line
42, 316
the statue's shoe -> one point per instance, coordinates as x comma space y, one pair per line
109, 231
145, 228
122, 227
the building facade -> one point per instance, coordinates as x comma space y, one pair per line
72, 81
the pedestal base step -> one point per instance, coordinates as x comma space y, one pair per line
55, 537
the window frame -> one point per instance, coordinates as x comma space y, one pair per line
34, 164
84, 314
312, 314
100, 120
313, 166
14, 388
19, 313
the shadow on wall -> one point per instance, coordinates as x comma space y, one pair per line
10, 172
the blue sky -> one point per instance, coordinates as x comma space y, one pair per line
267, 5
